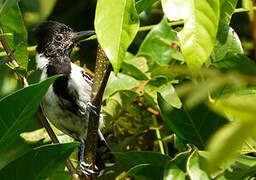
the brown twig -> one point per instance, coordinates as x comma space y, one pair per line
102, 72
149, 109
43, 119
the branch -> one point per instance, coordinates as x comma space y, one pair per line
102, 72
43, 119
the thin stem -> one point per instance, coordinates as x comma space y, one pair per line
159, 139
242, 10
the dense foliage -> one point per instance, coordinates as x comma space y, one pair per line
180, 101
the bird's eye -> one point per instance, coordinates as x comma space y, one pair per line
59, 37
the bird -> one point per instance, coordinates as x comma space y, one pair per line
67, 102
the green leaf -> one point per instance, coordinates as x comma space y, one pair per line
225, 145
6, 4
11, 22
16, 112
193, 167
238, 62
116, 28
227, 7
37, 11
141, 5
131, 159
119, 83
227, 42
158, 43
147, 170
38, 163
167, 91
201, 19
176, 168
239, 104
194, 126
136, 67
243, 167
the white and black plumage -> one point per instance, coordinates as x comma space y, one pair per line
67, 102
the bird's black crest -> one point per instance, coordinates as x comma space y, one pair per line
48, 31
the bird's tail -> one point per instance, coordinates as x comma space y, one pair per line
103, 152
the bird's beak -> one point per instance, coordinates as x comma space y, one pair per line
82, 35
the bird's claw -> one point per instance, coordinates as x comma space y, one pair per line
92, 108
85, 169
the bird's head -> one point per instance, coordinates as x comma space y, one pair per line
57, 39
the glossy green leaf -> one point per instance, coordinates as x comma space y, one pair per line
141, 5
116, 28
158, 43
192, 126
238, 62
131, 159
227, 42
226, 143
227, 7
16, 112
201, 19
119, 83
12, 22
176, 168
38, 163
6, 4
147, 170
195, 172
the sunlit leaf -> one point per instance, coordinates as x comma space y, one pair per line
226, 143
118, 83
158, 43
201, 19
239, 104
116, 28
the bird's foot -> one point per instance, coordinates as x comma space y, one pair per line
85, 169
92, 108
